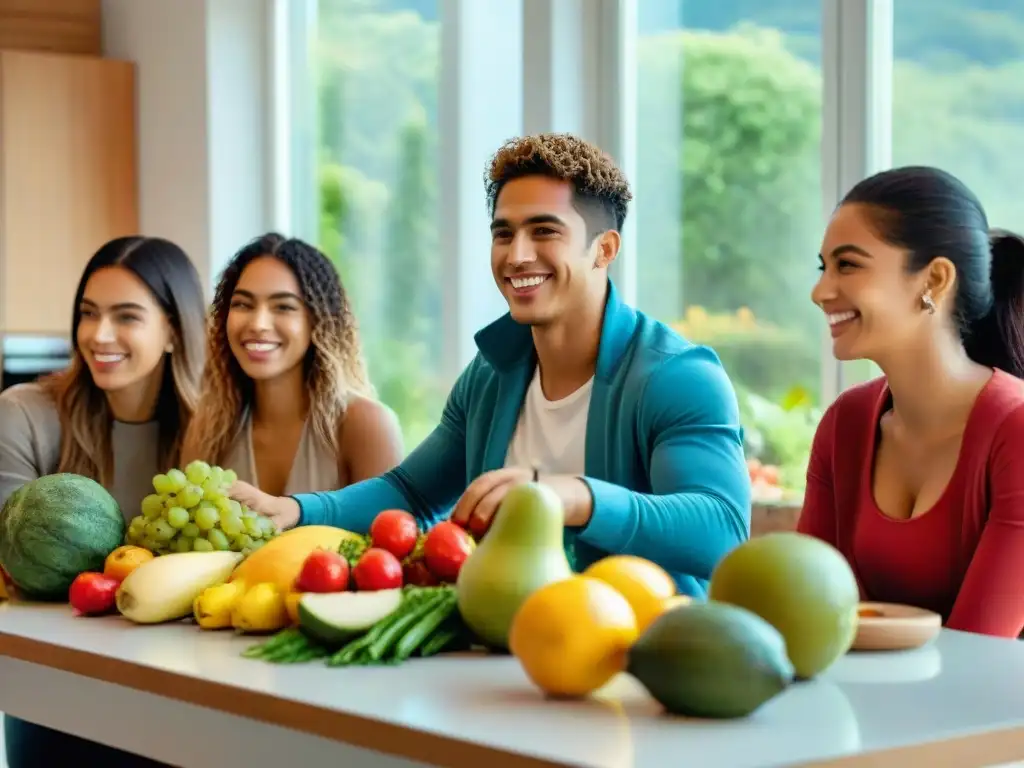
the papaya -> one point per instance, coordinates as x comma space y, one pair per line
280, 560
711, 660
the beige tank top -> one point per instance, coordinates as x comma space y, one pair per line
315, 467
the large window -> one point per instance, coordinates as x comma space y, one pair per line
729, 207
958, 96
746, 130
377, 66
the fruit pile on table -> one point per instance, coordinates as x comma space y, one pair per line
781, 607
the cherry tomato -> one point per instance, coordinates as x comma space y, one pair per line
396, 531
377, 569
445, 550
323, 571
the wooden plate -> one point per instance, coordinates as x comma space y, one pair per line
893, 627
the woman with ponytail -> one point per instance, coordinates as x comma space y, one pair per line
917, 477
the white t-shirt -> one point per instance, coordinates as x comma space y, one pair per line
551, 435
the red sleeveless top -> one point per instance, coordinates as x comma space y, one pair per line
964, 558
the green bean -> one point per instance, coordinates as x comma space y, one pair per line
260, 650
383, 644
421, 631
309, 653
286, 650
436, 643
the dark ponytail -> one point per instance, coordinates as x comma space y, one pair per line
996, 338
930, 213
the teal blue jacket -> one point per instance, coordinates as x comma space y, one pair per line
664, 454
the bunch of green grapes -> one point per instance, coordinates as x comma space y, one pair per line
191, 512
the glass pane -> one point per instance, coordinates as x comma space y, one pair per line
728, 210
377, 64
958, 96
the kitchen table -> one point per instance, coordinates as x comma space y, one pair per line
186, 697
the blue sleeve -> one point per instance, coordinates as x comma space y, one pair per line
699, 507
427, 483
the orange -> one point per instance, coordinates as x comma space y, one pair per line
644, 584
124, 560
573, 636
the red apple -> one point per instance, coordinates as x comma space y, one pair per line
92, 594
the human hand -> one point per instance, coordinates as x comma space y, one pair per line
284, 511
477, 507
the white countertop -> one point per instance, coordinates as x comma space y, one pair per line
961, 685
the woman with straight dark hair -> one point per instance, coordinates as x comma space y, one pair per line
917, 477
117, 414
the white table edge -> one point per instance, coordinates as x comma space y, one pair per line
998, 745
343, 727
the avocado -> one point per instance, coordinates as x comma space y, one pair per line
711, 660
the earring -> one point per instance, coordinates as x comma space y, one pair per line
169, 348
928, 302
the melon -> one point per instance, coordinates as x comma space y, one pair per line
54, 528
799, 584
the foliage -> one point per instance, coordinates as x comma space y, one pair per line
766, 355
739, 217
779, 435
378, 189
740, 214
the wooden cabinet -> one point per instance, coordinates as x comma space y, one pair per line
58, 26
68, 180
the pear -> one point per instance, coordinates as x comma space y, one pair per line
522, 552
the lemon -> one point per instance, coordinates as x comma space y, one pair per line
263, 608
573, 636
645, 585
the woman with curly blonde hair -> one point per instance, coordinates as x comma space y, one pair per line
286, 401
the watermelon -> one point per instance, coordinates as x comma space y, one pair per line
54, 528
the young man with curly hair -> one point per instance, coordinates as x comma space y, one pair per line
636, 429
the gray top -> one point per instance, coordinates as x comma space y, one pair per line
30, 448
482, 710
314, 468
